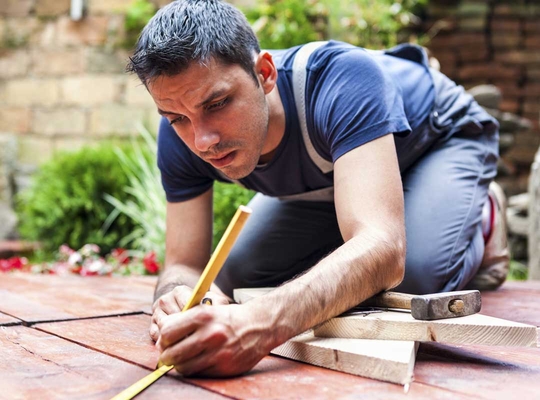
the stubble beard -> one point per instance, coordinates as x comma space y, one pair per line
259, 128
246, 166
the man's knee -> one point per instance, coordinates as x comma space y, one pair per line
426, 271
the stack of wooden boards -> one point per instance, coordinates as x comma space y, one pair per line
383, 345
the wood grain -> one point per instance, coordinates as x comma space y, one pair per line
472, 329
273, 378
385, 360
34, 298
389, 361
36, 365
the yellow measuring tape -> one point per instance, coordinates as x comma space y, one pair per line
203, 285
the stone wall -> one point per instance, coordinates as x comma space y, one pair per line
61, 81
62, 85
495, 42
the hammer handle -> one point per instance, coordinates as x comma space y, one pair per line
390, 300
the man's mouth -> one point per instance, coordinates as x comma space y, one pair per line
222, 161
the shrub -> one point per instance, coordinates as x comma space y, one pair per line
372, 24
64, 203
281, 24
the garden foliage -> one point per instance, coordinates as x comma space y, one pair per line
137, 16
372, 24
143, 200
64, 203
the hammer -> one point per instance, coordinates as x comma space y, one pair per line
430, 306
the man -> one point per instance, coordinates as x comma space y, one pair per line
354, 156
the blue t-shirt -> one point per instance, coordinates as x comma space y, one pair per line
353, 96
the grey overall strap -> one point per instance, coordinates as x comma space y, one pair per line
299, 75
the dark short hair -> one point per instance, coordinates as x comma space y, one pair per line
187, 31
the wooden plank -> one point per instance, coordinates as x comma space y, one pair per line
274, 377
385, 360
33, 298
246, 294
36, 365
389, 361
472, 329
6, 320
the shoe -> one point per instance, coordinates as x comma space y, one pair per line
496, 261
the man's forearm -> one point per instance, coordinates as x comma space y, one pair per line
360, 268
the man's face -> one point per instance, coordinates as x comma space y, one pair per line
219, 113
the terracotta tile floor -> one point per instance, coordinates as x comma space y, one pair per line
87, 338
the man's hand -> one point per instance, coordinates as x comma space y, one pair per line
173, 302
213, 340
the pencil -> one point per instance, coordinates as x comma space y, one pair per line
208, 276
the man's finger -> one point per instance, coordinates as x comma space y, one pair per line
195, 365
154, 332
168, 304
157, 317
181, 352
175, 327
182, 295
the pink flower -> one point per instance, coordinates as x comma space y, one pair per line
66, 250
120, 255
4, 265
62, 268
150, 263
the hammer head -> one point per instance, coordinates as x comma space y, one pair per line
446, 305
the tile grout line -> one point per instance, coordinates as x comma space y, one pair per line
181, 379
52, 321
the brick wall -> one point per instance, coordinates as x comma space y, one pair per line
62, 82
497, 42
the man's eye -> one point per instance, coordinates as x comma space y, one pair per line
219, 104
177, 119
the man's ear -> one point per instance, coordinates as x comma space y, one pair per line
266, 71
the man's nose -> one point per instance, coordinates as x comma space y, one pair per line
205, 137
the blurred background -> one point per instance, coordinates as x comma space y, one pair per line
77, 134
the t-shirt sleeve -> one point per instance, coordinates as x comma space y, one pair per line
181, 176
353, 102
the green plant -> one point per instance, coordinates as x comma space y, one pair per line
517, 271
65, 204
373, 24
366, 23
137, 16
227, 198
144, 200
285, 23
